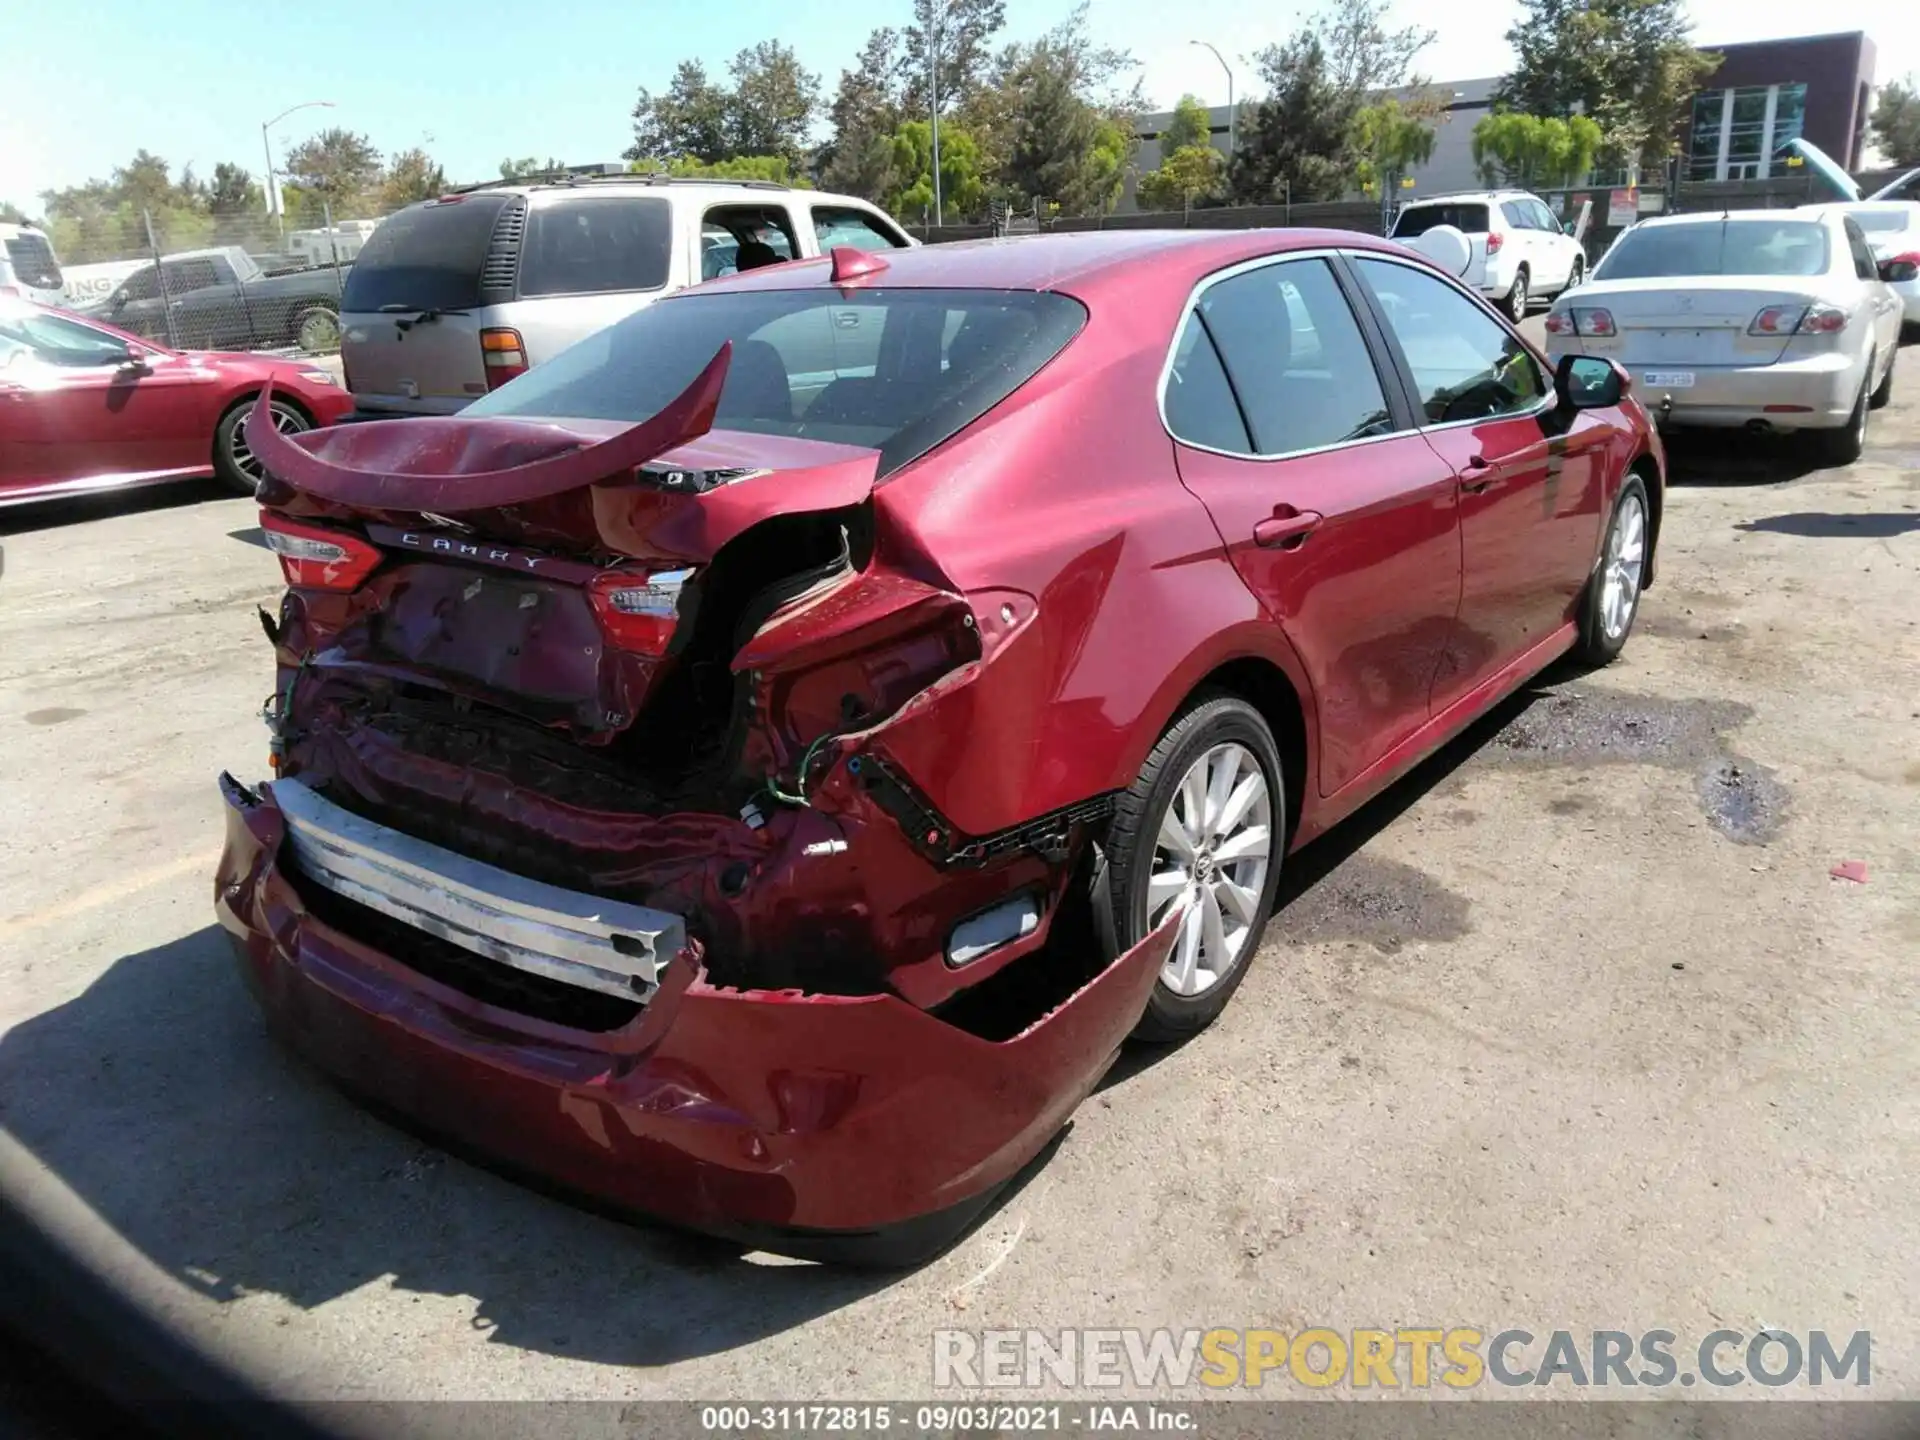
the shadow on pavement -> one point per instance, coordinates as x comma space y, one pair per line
1819, 525
1732, 457
156, 1096
105, 504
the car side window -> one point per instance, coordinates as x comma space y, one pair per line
1466, 365
1201, 408
1543, 218
1517, 215
56, 340
1863, 265
1296, 358
842, 226
142, 284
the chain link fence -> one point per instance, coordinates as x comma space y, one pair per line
195, 281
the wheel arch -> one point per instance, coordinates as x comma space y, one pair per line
1648, 469
1266, 687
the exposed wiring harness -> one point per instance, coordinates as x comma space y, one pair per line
799, 795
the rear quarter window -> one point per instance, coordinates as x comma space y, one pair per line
33, 263
426, 257
596, 245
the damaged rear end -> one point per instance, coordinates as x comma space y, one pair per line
584, 845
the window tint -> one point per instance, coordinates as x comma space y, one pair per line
595, 245
1418, 219
33, 262
786, 377
142, 284
1466, 365
1518, 214
1718, 247
189, 275
1295, 356
1543, 217
55, 340
426, 257
851, 227
1863, 266
1201, 409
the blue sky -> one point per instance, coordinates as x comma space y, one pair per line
482, 79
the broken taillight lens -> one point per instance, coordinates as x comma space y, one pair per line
315, 558
638, 610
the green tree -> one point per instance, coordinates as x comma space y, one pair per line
528, 165
339, 167
772, 104
1297, 142
12, 214
964, 30
1534, 152
1191, 173
1069, 130
1388, 141
1896, 121
962, 191
1191, 125
1628, 65
411, 175
776, 168
233, 192
857, 158
107, 219
689, 121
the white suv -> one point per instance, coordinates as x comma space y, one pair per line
1520, 251
453, 297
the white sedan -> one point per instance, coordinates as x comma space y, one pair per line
1761, 320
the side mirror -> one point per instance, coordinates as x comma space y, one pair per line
1900, 270
135, 359
117, 301
1589, 382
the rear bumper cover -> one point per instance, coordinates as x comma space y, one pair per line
1821, 388
813, 1124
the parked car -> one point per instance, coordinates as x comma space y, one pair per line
693, 790
86, 407
29, 270
221, 298
1521, 251
454, 297
1761, 320
1892, 229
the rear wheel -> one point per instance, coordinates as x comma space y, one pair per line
317, 331
1844, 446
1579, 272
1613, 590
233, 459
1198, 835
1517, 297
1883, 392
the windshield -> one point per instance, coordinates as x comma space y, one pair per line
1418, 219
895, 370
427, 257
33, 262
1719, 246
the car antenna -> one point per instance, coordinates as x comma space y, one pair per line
850, 264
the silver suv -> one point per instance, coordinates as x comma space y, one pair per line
453, 297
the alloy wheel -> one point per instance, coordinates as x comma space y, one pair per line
1518, 299
287, 421
1210, 856
1625, 560
319, 331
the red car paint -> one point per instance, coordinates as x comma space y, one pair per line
70, 429
1040, 594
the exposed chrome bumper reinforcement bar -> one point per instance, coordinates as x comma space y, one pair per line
564, 935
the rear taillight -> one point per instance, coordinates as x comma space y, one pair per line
315, 558
1560, 323
1593, 322
638, 610
1783, 320
1494, 241
505, 355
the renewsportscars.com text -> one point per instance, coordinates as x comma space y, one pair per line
1414, 1358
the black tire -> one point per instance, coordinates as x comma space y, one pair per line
323, 321
1121, 878
1518, 296
1601, 640
1579, 275
1883, 392
232, 461
1845, 445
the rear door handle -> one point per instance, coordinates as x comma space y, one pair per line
1287, 527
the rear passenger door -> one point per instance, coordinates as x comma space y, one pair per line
1335, 512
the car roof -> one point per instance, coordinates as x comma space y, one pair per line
1458, 195
1854, 207
746, 191
1077, 262
1737, 217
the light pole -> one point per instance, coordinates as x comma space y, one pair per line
266, 141
933, 98
1232, 114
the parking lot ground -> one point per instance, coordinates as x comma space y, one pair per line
1573, 1029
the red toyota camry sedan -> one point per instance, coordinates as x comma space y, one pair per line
86, 407
758, 767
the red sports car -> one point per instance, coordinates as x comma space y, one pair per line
84, 406
758, 767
